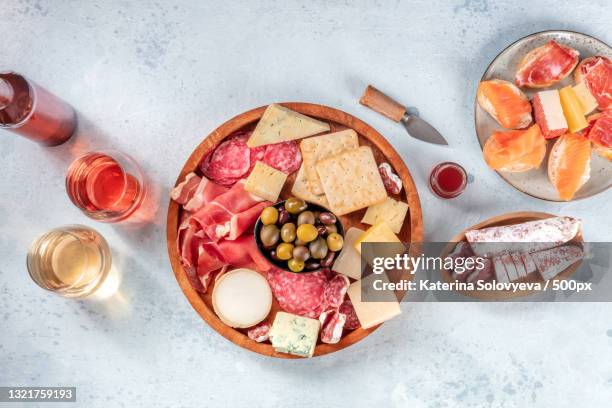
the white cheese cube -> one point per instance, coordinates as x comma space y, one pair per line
373, 313
294, 334
265, 182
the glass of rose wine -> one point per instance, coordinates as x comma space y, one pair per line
72, 261
106, 185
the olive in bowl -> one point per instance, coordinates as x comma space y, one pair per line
298, 236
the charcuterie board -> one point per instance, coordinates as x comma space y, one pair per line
509, 105
508, 219
411, 229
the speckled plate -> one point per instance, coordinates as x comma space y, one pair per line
535, 182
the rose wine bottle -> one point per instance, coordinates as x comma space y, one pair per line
33, 112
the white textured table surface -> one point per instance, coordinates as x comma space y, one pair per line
153, 78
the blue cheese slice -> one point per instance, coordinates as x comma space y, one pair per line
280, 124
294, 334
265, 182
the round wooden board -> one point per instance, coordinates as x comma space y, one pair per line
498, 221
412, 231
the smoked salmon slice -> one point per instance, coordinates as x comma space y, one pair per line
507, 104
515, 150
569, 164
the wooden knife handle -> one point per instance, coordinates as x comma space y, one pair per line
381, 103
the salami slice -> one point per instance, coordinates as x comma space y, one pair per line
259, 333
346, 308
256, 154
300, 294
332, 324
229, 162
334, 292
285, 156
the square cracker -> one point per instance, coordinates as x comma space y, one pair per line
318, 148
351, 180
301, 189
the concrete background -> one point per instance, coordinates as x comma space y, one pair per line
153, 78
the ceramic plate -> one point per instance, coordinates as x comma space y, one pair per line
535, 182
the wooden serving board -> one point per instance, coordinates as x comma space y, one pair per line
498, 221
412, 231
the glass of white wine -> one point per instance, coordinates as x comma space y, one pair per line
72, 261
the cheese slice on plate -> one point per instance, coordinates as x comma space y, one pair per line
586, 98
549, 113
320, 147
294, 334
392, 212
382, 305
348, 261
280, 124
265, 182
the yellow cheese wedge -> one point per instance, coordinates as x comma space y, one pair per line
587, 100
372, 306
280, 124
265, 182
572, 109
388, 247
348, 261
392, 212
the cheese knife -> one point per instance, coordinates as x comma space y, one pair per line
416, 127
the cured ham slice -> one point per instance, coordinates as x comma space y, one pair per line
183, 191
600, 133
596, 72
546, 65
205, 192
260, 333
218, 217
352, 321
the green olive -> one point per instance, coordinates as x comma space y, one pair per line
331, 228
269, 235
306, 217
269, 215
307, 232
295, 205
318, 248
301, 253
284, 251
295, 265
288, 232
335, 241
327, 218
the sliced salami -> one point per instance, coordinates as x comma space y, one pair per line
256, 154
391, 181
346, 308
229, 162
332, 324
334, 292
285, 156
259, 333
300, 294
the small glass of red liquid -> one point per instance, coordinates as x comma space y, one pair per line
448, 180
33, 112
106, 185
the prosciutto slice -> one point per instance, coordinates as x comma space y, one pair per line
183, 192
222, 218
546, 65
205, 192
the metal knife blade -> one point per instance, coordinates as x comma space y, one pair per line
419, 129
